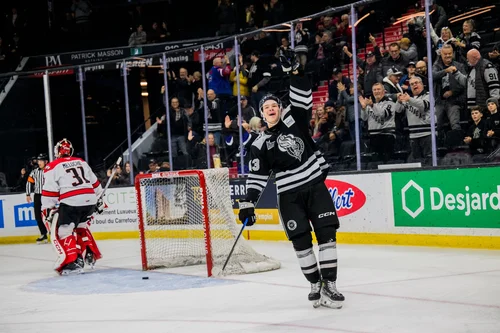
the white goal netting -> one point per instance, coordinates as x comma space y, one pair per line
172, 210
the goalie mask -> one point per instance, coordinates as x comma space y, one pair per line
63, 148
273, 113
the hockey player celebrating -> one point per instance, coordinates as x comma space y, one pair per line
287, 150
71, 184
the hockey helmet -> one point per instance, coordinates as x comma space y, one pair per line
42, 157
63, 148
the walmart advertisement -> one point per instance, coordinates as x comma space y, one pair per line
438, 203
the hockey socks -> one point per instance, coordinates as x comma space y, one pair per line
308, 264
328, 260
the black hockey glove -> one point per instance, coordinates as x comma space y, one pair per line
99, 206
247, 211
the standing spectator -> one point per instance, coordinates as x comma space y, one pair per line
218, 77
391, 83
22, 180
333, 91
477, 132
379, 113
301, 34
243, 78
258, 78
405, 79
482, 81
439, 18
347, 100
156, 35
34, 185
180, 125
449, 94
395, 59
183, 88
409, 49
467, 40
417, 109
215, 115
138, 38
81, 12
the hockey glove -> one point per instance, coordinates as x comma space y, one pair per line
99, 206
48, 215
247, 211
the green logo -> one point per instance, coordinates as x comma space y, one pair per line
463, 198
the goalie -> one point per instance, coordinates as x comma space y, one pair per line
70, 183
287, 150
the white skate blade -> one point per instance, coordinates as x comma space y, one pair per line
327, 303
42, 242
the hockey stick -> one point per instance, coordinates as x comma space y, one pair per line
243, 227
118, 161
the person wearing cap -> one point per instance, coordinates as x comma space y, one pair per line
34, 185
370, 66
247, 111
153, 166
333, 92
405, 79
391, 83
448, 93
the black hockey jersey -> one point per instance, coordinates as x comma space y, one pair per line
287, 149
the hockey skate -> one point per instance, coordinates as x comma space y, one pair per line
330, 296
315, 294
72, 269
80, 262
90, 258
42, 239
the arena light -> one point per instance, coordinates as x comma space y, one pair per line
144, 94
411, 16
276, 30
471, 15
144, 83
460, 16
358, 21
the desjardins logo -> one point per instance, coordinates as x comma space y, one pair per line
416, 199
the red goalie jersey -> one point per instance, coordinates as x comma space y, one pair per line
71, 181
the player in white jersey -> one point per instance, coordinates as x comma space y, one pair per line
70, 184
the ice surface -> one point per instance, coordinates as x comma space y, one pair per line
388, 289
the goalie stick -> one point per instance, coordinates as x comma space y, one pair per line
243, 227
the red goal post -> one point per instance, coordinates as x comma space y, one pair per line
186, 218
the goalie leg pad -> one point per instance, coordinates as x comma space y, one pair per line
64, 242
86, 240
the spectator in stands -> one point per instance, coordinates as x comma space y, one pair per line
405, 79
494, 55
370, 66
493, 120
118, 178
258, 78
347, 101
180, 124
320, 123
408, 49
126, 173
379, 113
477, 132
21, 181
321, 57
391, 83
4, 65
395, 59
301, 34
81, 12
153, 166
183, 88
157, 34
215, 116
438, 18
200, 152
449, 94
417, 109
482, 81
243, 78
467, 40
138, 37
445, 39
225, 14
333, 91
247, 111
218, 76
421, 71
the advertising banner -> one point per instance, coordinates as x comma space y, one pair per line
458, 198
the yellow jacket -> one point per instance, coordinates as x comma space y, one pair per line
243, 84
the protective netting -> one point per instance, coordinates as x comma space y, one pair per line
173, 224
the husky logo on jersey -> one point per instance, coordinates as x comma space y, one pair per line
292, 145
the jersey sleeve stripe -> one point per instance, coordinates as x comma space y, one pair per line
76, 192
97, 183
257, 182
303, 93
255, 176
300, 99
282, 188
46, 193
254, 187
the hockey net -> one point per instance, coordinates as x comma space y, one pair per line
186, 218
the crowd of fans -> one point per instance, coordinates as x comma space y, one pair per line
393, 104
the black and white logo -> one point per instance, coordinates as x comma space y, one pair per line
292, 145
291, 225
